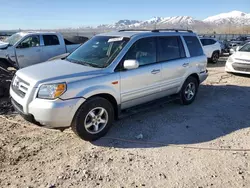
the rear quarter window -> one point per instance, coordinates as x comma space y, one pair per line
194, 46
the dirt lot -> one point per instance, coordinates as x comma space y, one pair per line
182, 146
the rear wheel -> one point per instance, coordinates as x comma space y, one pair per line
93, 119
189, 90
215, 57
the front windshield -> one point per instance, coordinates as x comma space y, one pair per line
13, 39
245, 48
99, 51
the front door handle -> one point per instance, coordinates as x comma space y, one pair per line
185, 64
155, 71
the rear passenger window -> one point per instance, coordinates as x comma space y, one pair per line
50, 40
194, 46
211, 41
170, 48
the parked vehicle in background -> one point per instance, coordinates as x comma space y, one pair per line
239, 41
109, 73
212, 48
239, 62
224, 46
28, 48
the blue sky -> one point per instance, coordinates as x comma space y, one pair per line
52, 14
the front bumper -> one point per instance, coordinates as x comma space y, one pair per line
242, 68
47, 113
203, 76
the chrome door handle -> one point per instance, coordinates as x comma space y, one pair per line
155, 71
185, 64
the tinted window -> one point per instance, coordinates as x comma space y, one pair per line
144, 51
206, 42
203, 42
194, 46
50, 40
211, 41
170, 48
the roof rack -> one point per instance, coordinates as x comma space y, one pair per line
157, 30
176, 30
133, 30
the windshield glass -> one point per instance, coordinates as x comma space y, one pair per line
99, 51
13, 39
245, 48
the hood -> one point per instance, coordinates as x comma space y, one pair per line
3, 45
57, 71
242, 55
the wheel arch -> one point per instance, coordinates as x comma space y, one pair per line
111, 99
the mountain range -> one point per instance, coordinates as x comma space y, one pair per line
231, 19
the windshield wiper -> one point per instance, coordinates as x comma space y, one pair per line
83, 63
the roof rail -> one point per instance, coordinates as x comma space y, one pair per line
133, 30
157, 30
176, 30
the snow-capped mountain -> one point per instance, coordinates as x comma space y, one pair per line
234, 17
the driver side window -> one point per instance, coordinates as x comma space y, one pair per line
32, 41
144, 51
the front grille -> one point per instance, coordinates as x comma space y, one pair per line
19, 86
241, 67
245, 60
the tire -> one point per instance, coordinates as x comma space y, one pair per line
86, 119
190, 81
215, 57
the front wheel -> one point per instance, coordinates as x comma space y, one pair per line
93, 119
189, 90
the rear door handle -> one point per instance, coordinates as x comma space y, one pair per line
155, 71
185, 64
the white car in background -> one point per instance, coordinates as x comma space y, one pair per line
212, 48
239, 62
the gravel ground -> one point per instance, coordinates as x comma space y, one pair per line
178, 146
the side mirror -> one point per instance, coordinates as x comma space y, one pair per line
130, 64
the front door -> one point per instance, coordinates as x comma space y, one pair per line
142, 84
28, 52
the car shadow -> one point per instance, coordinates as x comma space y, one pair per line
216, 112
221, 63
241, 75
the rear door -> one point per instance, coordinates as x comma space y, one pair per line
172, 56
142, 84
29, 51
52, 46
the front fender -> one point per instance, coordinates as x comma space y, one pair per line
95, 90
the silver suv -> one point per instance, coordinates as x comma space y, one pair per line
111, 72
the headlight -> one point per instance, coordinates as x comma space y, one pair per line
51, 91
230, 59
